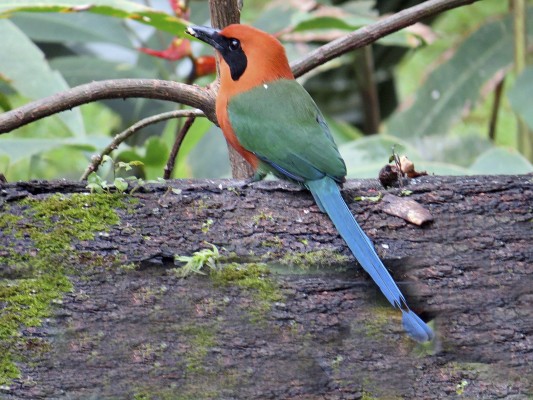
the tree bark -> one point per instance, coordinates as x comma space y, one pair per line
224, 13
328, 333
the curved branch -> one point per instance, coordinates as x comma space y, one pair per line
96, 160
373, 32
194, 96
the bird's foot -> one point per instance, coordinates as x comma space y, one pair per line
256, 177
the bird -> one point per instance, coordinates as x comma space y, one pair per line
275, 125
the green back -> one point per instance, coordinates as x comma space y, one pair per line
281, 124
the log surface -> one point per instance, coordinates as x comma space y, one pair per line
143, 331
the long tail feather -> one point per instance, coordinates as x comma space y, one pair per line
328, 196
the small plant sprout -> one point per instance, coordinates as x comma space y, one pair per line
206, 225
461, 386
97, 184
374, 199
195, 263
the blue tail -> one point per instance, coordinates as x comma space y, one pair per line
329, 199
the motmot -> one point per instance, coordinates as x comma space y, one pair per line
271, 121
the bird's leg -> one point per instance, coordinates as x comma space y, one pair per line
256, 177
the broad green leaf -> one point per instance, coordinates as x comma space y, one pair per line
343, 131
120, 184
455, 85
366, 156
113, 8
100, 120
156, 153
348, 23
500, 160
23, 65
82, 69
18, 149
521, 96
5, 104
440, 168
460, 150
79, 27
204, 153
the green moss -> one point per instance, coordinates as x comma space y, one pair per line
39, 276
316, 258
254, 278
275, 243
8, 221
367, 396
262, 216
377, 320
251, 276
200, 339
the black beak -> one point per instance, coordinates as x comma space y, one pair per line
206, 34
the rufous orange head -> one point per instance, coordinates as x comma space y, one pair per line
248, 56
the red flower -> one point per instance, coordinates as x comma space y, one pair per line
178, 49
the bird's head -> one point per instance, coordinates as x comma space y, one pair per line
248, 56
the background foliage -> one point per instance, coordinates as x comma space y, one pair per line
432, 87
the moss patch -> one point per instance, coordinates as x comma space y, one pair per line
200, 339
37, 279
316, 259
253, 277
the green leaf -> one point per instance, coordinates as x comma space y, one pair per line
204, 153
82, 69
500, 160
26, 70
365, 157
120, 184
520, 96
21, 148
342, 131
79, 27
95, 183
113, 8
348, 23
455, 85
122, 165
156, 152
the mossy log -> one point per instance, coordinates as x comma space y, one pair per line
286, 313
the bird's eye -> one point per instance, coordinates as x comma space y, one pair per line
234, 44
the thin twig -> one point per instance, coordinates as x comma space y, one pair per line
364, 64
177, 144
122, 136
496, 108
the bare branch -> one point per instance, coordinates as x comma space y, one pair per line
194, 96
373, 32
177, 145
122, 136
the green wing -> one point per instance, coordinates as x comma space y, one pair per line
281, 124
